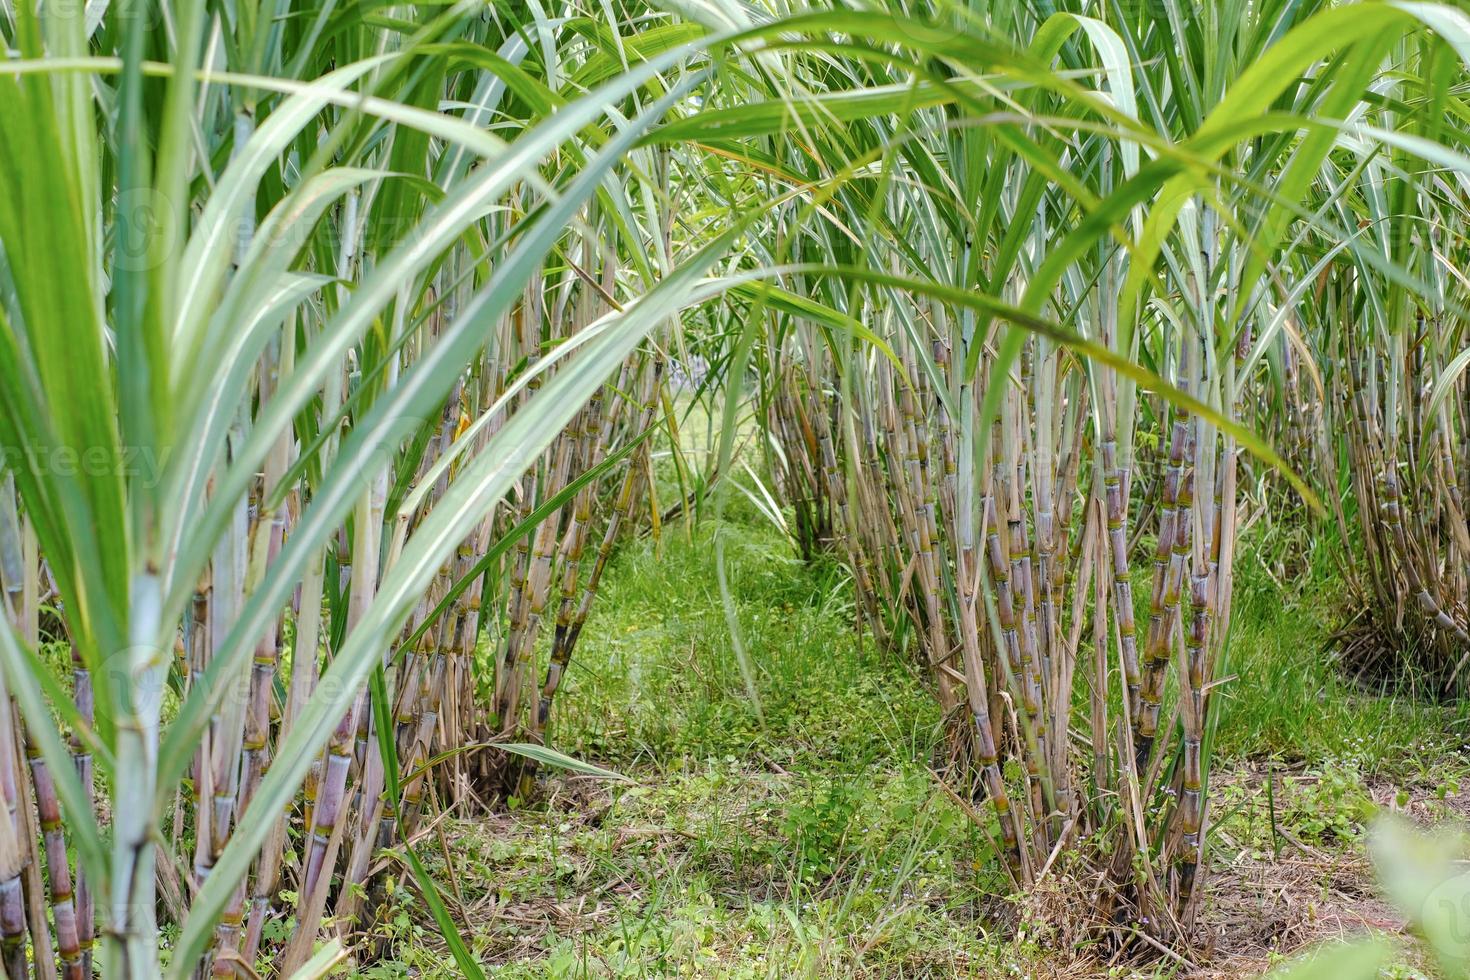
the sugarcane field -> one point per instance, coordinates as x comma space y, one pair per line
735, 489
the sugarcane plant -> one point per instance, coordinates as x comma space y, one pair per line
1387, 333
1037, 466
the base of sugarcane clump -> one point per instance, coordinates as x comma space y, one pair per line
1404, 657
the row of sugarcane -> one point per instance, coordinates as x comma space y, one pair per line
1397, 441
388, 357
1035, 479
1003, 558
1405, 461
1008, 564
989, 493
328, 848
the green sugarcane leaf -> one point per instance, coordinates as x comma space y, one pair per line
1425, 876
466, 962
322, 962
551, 757
385, 724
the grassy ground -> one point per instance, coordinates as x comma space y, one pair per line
809, 837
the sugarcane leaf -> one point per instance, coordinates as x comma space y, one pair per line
786, 301
560, 760
384, 723
322, 962
503, 75
1114, 54
466, 962
48, 227
639, 47
1425, 875
767, 118
740, 359
1444, 383
141, 353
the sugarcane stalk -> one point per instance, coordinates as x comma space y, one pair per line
63, 900
82, 759
17, 845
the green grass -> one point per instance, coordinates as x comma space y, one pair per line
812, 838
661, 684
1289, 701
817, 843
